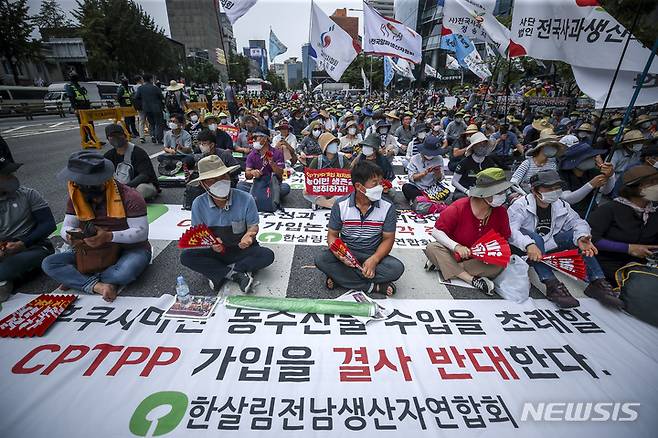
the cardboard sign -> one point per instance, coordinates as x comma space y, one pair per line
328, 182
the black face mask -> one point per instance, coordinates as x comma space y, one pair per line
8, 187
92, 192
118, 142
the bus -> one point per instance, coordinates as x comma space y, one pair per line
100, 94
12, 97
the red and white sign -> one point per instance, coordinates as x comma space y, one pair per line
328, 182
230, 130
35, 317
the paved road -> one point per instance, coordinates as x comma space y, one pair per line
44, 151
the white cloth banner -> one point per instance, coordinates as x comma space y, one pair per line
578, 32
331, 47
403, 69
451, 62
475, 20
431, 72
366, 82
386, 36
596, 84
475, 64
236, 8
434, 366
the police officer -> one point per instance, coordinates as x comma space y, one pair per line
194, 96
125, 99
77, 94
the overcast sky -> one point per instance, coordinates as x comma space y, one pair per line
288, 18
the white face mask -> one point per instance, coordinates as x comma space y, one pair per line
650, 193
422, 135
552, 196
194, 119
458, 119
428, 120
550, 151
205, 149
213, 127
223, 121
351, 131
220, 189
374, 193
257, 145
316, 133
172, 125
583, 135
382, 131
332, 148
637, 147
436, 128
367, 151
497, 200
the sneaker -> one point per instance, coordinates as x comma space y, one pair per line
602, 291
484, 284
557, 292
429, 266
5, 290
245, 280
153, 140
142, 140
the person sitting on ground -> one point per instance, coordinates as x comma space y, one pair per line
405, 132
366, 224
232, 216
101, 214
425, 169
541, 222
542, 155
421, 131
506, 146
388, 143
177, 140
371, 151
309, 148
582, 169
132, 164
246, 136
349, 141
629, 154
584, 132
455, 128
626, 230
330, 158
286, 142
476, 160
26, 221
264, 164
459, 146
194, 124
222, 139
464, 222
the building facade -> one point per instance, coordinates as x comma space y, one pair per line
385, 7
293, 74
348, 24
308, 63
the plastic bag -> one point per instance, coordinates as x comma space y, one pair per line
513, 283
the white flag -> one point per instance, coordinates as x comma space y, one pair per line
583, 36
474, 19
236, 8
331, 47
366, 82
431, 72
596, 84
386, 36
451, 62
402, 68
475, 64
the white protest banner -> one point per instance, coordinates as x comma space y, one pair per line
450, 102
236, 8
332, 48
578, 32
451, 62
475, 64
299, 226
386, 36
469, 368
596, 84
403, 68
431, 72
475, 20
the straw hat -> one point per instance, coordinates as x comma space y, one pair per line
586, 127
471, 129
541, 124
211, 167
324, 139
633, 136
174, 86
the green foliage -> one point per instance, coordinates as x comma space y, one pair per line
201, 72
278, 84
51, 16
238, 68
353, 73
16, 45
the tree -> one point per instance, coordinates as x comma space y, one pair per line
51, 16
201, 72
352, 74
238, 68
278, 84
16, 45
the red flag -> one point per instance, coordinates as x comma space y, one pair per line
341, 248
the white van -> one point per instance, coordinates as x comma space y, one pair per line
99, 94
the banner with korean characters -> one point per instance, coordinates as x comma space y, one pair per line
433, 368
328, 182
299, 226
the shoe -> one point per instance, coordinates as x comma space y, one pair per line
602, 291
153, 140
142, 140
484, 284
244, 279
557, 292
6, 287
429, 266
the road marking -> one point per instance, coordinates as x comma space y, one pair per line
14, 129
157, 154
57, 124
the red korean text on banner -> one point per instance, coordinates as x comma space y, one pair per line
230, 130
328, 182
34, 318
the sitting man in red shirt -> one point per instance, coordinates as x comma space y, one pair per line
463, 223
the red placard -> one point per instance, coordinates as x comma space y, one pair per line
230, 130
328, 182
34, 318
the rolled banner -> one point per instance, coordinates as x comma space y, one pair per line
301, 305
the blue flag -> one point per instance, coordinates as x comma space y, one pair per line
263, 66
388, 71
458, 44
276, 46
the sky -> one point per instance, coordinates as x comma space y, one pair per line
289, 20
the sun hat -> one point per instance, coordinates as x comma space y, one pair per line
430, 147
545, 178
541, 124
472, 129
211, 167
586, 127
633, 136
489, 182
578, 153
325, 138
174, 86
636, 174
87, 168
476, 138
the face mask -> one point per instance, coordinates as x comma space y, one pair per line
367, 151
550, 151
573, 118
480, 151
205, 149
382, 131
332, 148
213, 127
8, 187
497, 200
316, 133
645, 125
172, 125
223, 121
583, 136
374, 193
637, 147
220, 189
118, 142
351, 131
436, 128
194, 119
587, 164
257, 145
552, 196
650, 193
428, 120
422, 135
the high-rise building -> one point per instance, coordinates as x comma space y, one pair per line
257, 54
293, 74
348, 24
227, 32
384, 7
308, 63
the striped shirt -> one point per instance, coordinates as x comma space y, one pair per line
528, 168
360, 232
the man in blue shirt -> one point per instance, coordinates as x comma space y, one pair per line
232, 216
505, 142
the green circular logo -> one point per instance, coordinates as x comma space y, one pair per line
159, 413
270, 237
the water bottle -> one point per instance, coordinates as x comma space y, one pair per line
182, 290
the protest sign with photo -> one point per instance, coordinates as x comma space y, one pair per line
328, 182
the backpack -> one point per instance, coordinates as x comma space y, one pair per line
638, 287
171, 103
124, 170
266, 193
322, 158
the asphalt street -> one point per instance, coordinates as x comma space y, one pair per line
44, 144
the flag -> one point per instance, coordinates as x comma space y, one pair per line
237, 8
490, 53
386, 36
366, 82
388, 70
402, 68
331, 47
451, 63
596, 83
276, 46
474, 19
263, 66
465, 53
431, 72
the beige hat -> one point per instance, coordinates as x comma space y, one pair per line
541, 124
391, 115
211, 167
633, 136
174, 86
645, 118
586, 127
471, 129
324, 139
